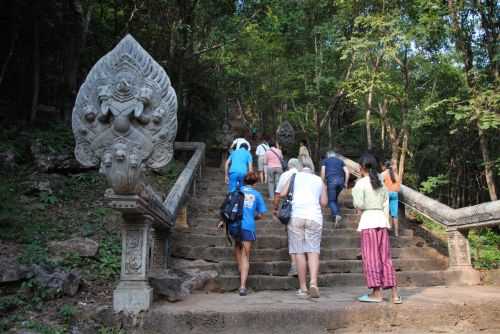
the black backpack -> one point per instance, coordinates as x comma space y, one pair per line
231, 213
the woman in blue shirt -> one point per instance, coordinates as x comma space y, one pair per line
253, 208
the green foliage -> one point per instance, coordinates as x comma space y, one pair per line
67, 312
433, 183
109, 258
485, 248
42, 328
34, 253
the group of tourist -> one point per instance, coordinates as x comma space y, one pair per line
375, 195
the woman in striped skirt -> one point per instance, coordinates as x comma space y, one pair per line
371, 197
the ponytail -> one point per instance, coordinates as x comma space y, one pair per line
374, 179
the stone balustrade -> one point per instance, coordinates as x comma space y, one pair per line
457, 222
147, 222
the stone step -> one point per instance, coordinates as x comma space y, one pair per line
227, 253
281, 241
264, 229
280, 268
429, 310
266, 282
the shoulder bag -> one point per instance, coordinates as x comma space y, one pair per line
285, 211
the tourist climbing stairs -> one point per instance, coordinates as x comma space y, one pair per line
416, 263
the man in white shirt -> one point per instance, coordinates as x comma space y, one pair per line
305, 227
294, 166
260, 151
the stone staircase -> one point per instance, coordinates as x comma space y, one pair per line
416, 263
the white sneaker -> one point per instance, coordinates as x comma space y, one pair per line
301, 293
338, 218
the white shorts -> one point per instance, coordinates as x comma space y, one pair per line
304, 236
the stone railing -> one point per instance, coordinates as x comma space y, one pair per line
457, 222
147, 223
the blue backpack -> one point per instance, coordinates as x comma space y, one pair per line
231, 213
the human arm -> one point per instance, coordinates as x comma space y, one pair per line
226, 170
322, 173
250, 162
346, 172
323, 200
260, 208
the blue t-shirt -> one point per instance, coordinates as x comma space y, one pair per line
240, 159
334, 167
254, 204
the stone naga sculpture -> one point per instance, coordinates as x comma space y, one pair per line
125, 116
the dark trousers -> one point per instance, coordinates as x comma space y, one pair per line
334, 187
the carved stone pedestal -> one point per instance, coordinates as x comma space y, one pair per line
132, 297
459, 259
134, 294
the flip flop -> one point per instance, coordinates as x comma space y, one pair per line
368, 299
398, 300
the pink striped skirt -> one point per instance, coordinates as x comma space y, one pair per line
377, 262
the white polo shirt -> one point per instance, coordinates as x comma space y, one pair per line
283, 180
306, 197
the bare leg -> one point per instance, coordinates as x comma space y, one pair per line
245, 263
313, 262
300, 262
237, 254
395, 294
396, 226
377, 293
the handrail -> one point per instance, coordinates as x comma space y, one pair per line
178, 192
485, 214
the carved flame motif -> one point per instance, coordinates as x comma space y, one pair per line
125, 113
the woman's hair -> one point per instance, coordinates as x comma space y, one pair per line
369, 163
244, 145
388, 165
271, 143
303, 142
251, 178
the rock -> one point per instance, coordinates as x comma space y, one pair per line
14, 272
49, 162
57, 282
40, 186
84, 247
176, 284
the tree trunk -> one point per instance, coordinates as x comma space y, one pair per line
488, 170
368, 117
404, 149
36, 69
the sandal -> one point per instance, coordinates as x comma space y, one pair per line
314, 291
367, 299
397, 300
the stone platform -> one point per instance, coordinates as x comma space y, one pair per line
425, 310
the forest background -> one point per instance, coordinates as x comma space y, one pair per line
414, 80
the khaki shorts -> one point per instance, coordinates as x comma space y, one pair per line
260, 163
304, 236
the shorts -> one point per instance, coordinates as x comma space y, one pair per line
238, 234
393, 204
304, 236
260, 163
